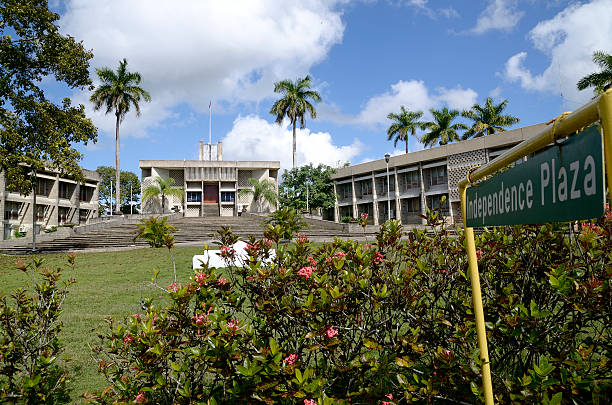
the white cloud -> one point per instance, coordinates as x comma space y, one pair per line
194, 51
499, 15
253, 138
415, 96
569, 39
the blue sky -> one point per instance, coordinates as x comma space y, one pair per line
366, 58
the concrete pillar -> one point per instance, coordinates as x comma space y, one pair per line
354, 197
423, 199
336, 207
398, 209
374, 201
219, 150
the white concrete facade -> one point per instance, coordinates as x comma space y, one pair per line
211, 186
418, 180
59, 201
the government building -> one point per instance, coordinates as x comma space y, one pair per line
59, 201
210, 184
427, 178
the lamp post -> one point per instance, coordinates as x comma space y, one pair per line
387, 157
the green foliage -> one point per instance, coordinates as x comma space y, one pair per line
442, 130
161, 190
34, 131
295, 104
404, 122
346, 220
157, 232
602, 80
262, 191
287, 222
488, 119
127, 180
119, 91
29, 338
292, 192
51, 229
18, 234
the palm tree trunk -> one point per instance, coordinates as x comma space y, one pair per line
117, 169
406, 143
294, 144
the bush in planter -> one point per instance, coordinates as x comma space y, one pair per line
29, 338
156, 231
389, 321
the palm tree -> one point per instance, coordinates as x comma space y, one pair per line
264, 190
117, 93
406, 121
441, 129
294, 104
488, 119
601, 80
162, 189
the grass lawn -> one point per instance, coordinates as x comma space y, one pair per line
107, 284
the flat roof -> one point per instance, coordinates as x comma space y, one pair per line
240, 164
498, 140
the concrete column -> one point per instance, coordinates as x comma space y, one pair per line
374, 200
354, 196
2, 202
336, 207
75, 202
398, 209
54, 195
219, 150
96, 204
423, 199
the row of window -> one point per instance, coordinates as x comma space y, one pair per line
196, 196
12, 210
410, 206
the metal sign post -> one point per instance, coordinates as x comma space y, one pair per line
563, 126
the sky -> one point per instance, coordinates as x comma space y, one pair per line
366, 59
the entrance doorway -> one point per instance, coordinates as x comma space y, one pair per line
211, 193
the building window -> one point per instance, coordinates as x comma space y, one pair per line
346, 191
43, 187
83, 214
11, 210
366, 188
228, 196
40, 212
86, 193
436, 176
62, 214
383, 184
65, 190
410, 180
194, 196
434, 202
411, 206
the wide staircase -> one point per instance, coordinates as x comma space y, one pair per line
190, 230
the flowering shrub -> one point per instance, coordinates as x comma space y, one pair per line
388, 322
157, 232
29, 338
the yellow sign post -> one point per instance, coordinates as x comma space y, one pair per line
563, 126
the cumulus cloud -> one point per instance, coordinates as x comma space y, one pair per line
194, 51
569, 39
253, 138
415, 96
499, 15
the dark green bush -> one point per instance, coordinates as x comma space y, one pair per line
156, 231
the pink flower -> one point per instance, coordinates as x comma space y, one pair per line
340, 255
227, 251
364, 215
233, 326
174, 287
378, 258
312, 261
200, 320
128, 339
305, 272
140, 398
389, 396
478, 254
328, 260
302, 238
331, 332
266, 243
200, 278
291, 359
222, 281
309, 402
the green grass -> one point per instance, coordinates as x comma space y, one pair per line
107, 284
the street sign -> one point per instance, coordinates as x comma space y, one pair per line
561, 183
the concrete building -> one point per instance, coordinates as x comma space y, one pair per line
59, 201
418, 180
211, 185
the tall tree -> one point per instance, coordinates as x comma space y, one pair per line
442, 130
295, 104
264, 190
34, 131
118, 92
162, 189
600, 80
488, 119
293, 189
128, 180
404, 122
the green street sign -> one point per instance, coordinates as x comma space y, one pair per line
562, 183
